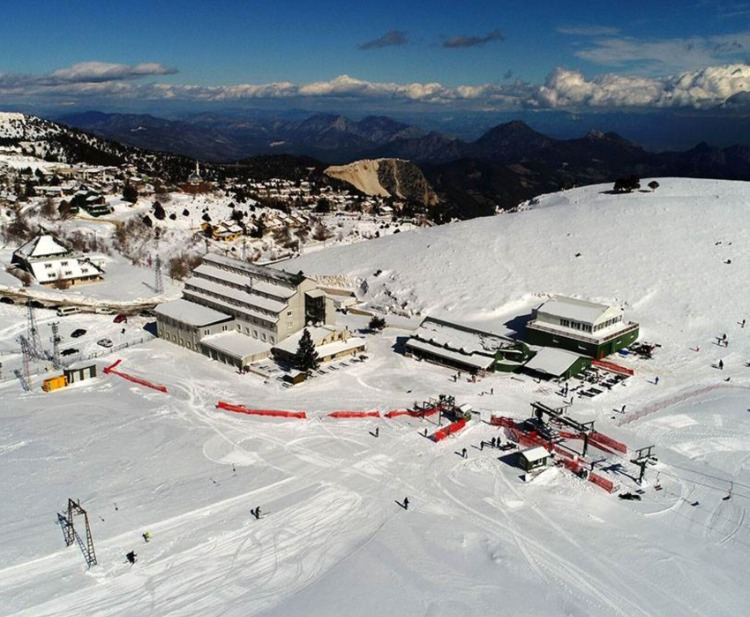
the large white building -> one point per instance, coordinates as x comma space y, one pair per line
49, 261
235, 312
584, 327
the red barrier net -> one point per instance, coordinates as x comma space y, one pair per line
502, 421
600, 439
138, 380
354, 414
449, 430
573, 465
274, 413
613, 368
419, 413
606, 484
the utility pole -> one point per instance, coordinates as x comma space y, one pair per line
158, 281
643, 458
74, 508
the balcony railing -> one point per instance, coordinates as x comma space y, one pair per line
593, 340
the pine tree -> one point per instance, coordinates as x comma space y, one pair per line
306, 358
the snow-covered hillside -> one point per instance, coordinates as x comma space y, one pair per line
476, 539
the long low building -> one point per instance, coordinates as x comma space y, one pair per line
463, 347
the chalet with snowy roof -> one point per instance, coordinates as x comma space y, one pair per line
50, 262
587, 328
235, 312
465, 348
330, 344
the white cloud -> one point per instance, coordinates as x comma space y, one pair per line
667, 55
706, 88
105, 71
101, 82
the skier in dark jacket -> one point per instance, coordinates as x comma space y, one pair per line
406, 503
131, 557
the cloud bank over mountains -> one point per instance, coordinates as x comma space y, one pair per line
705, 88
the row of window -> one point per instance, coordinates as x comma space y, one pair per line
575, 325
607, 323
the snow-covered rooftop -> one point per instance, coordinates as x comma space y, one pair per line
191, 313
552, 361
574, 309
235, 344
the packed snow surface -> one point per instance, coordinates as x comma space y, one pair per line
333, 537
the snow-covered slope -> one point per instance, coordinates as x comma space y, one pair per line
476, 539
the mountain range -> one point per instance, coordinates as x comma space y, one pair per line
508, 164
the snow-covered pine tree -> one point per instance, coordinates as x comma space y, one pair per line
306, 358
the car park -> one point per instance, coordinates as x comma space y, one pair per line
68, 352
78, 332
104, 342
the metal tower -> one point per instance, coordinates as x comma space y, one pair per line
25, 375
56, 362
32, 330
158, 281
74, 507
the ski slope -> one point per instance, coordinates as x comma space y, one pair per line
476, 539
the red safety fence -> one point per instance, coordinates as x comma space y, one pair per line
449, 430
141, 382
502, 421
354, 414
573, 465
563, 452
527, 440
605, 483
569, 435
274, 413
613, 368
419, 413
600, 439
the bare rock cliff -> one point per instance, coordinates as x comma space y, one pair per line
395, 178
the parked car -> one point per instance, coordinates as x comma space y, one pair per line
103, 310
104, 342
78, 332
68, 352
121, 318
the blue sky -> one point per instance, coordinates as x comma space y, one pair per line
475, 55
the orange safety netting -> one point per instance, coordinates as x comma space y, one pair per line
138, 380
274, 413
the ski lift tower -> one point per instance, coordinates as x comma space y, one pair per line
74, 508
643, 458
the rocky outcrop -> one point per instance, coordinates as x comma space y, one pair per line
395, 178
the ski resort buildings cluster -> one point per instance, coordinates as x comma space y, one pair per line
563, 336
239, 313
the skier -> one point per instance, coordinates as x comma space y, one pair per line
656, 381
377, 431
406, 503
481, 445
131, 557
256, 512
721, 365
742, 324
463, 453
623, 409
147, 535
493, 442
